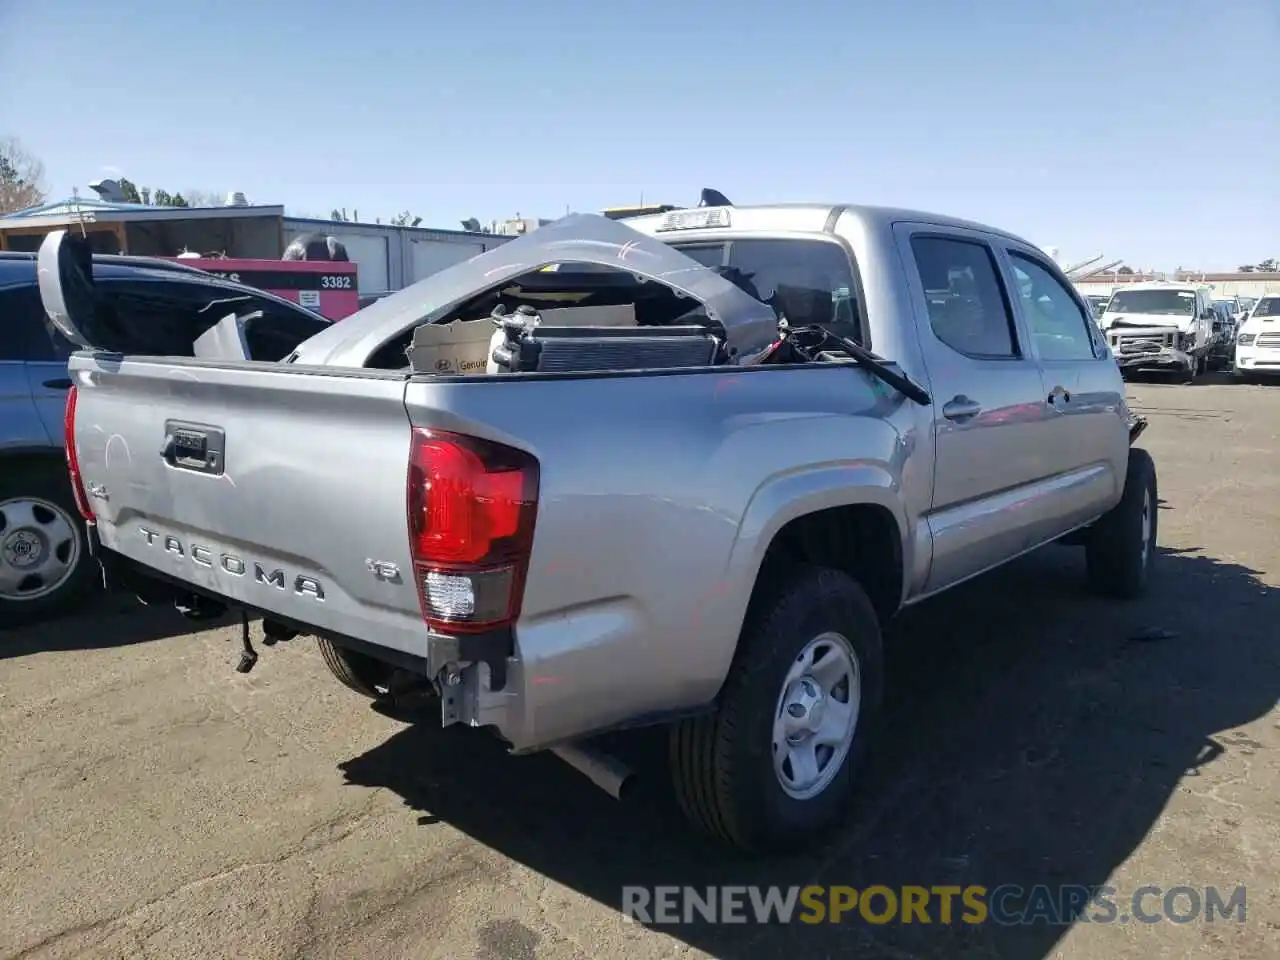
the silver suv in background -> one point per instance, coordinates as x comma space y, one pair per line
148, 305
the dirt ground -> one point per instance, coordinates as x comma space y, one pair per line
157, 804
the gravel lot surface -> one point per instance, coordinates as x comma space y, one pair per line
157, 804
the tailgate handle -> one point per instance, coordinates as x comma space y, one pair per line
193, 446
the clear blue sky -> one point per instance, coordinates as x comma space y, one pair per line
1145, 131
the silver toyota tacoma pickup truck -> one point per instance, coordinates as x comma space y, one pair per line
822, 414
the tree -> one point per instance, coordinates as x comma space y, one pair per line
405, 219
162, 198
1267, 266
21, 177
1126, 271
1245, 268
203, 198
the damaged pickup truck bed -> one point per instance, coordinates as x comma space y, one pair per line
703, 520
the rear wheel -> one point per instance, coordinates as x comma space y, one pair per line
356, 671
45, 567
775, 765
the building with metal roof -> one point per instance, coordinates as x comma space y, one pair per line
387, 257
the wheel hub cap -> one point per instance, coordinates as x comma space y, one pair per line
805, 705
39, 548
22, 549
816, 716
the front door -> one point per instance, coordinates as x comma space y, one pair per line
989, 403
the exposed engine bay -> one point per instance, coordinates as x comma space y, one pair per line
669, 330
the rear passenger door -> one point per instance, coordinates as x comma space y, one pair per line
988, 404
1085, 441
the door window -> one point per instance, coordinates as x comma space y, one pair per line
1054, 318
968, 309
25, 333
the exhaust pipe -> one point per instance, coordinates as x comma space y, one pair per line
608, 773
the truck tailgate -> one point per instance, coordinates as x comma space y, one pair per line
301, 511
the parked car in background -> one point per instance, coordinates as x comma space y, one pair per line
1232, 306
44, 563
1224, 333
1161, 326
1257, 350
1098, 302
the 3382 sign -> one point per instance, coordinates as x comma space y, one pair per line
328, 288
273, 278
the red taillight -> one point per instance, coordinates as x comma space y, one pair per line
471, 505
73, 461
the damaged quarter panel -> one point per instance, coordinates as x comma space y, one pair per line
651, 482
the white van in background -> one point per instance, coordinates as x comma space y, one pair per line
1161, 326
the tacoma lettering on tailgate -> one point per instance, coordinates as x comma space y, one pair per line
204, 556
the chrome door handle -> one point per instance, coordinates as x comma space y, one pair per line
961, 408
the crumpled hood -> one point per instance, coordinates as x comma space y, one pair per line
749, 325
1170, 321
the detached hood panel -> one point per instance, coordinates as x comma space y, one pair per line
1149, 320
749, 325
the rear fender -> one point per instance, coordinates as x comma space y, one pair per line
784, 498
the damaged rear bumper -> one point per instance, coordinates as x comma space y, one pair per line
477, 677
480, 679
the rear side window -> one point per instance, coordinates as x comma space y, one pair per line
24, 332
164, 318
968, 309
279, 331
806, 281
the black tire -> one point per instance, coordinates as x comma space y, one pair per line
722, 763
356, 671
1118, 558
45, 484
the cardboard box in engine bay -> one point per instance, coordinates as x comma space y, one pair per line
464, 346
